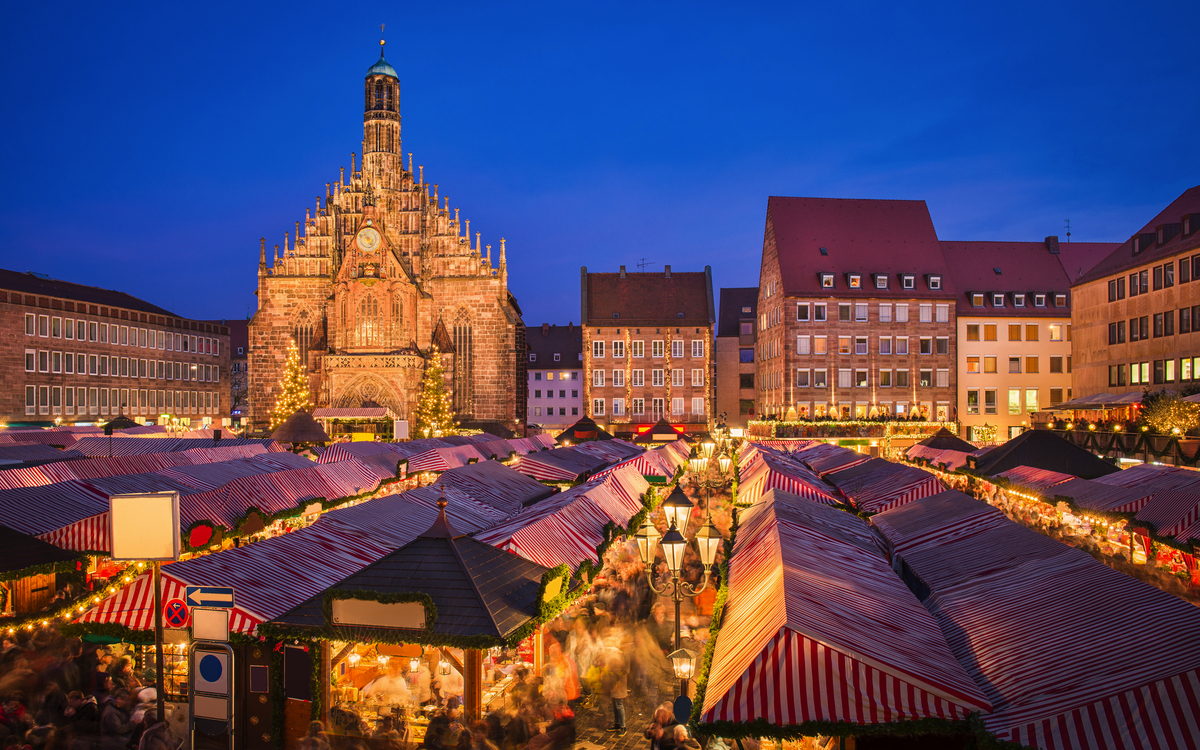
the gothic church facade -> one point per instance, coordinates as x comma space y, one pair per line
382, 277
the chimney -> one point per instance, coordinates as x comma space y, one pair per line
668, 271
545, 329
622, 272
1052, 243
216, 436
569, 324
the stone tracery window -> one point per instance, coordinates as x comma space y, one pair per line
367, 330
463, 362
397, 323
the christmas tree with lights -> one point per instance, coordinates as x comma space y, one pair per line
293, 389
434, 417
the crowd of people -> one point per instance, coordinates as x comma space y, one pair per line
63, 694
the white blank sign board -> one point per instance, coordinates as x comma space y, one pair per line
366, 612
145, 526
210, 624
210, 707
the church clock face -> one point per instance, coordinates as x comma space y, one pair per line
368, 239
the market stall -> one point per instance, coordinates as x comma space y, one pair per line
821, 637
472, 603
1127, 677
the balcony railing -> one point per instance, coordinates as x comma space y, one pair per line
1177, 450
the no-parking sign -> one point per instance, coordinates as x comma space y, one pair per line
175, 613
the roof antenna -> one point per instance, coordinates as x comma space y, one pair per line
1068, 229
644, 263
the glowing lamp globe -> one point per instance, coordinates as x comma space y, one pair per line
677, 508
707, 447
647, 541
724, 462
697, 464
683, 662
708, 539
673, 545
414, 664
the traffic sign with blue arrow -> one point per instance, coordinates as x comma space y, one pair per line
209, 596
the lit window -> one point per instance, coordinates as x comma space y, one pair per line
855, 281
827, 281
881, 281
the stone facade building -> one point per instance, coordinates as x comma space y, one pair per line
555, 383
733, 384
647, 348
1136, 313
856, 311
384, 274
79, 353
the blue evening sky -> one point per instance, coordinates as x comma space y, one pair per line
147, 147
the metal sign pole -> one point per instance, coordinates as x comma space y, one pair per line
158, 641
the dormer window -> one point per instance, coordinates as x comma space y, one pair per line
997, 300
855, 280
1187, 225
1039, 300
934, 282
1161, 233
977, 299
1018, 300
616, 315
881, 281
827, 281
533, 357
557, 356
907, 280
1060, 300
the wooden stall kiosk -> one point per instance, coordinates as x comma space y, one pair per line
440, 606
27, 571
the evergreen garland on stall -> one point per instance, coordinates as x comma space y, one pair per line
435, 414
293, 389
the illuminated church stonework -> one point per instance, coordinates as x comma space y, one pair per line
383, 273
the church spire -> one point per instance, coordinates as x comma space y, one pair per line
262, 256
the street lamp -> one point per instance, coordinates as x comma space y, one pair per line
678, 508
683, 662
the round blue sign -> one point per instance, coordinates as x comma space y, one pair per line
210, 668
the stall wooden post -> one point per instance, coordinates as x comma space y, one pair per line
325, 689
539, 646
473, 684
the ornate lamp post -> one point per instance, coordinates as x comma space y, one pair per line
678, 510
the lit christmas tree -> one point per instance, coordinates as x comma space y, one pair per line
434, 416
294, 394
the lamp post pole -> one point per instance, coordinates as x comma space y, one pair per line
678, 509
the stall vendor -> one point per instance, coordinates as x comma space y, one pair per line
450, 685
391, 687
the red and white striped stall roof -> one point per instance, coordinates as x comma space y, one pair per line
819, 628
444, 459
39, 510
272, 576
496, 485
888, 485
611, 450
776, 472
1035, 480
568, 527
560, 464
1171, 511
1087, 493
65, 438
825, 458
1126, 676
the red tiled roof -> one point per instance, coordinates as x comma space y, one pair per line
649, 298
1123, 257
1078, 258
1024, 267
861, 236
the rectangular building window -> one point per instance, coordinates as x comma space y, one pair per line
860, 378
1014, 400
901, 379
677, 377
885, 312
989, 365
972, 364
698, 406
1014, 332
820, 378
1056, 364
1031, 365
1014, 364
926, 345
656, 348
989, 332
802, 312
943, 378
844, 377
802, 378
942, 313
1031, 400
618, 350
942, 345
860, 345
820, 312
901, 312
989, 401
925, 313
844, 313
677, 407
638, 378
677, 348
902, 346
618, 378
44, 327
885, 378
973, 332
697, 376
843, 344
30, 324
697, 348
802, 345
885, 345
973, 402
598, 349
820, 345
598, 407
860, 312
926, 380
597, 379
656, 378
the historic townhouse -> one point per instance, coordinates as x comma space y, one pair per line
1135, 314
1014, 328
856, 311
647, 348
555, 375
737, 328
79, 353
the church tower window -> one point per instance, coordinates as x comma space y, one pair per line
463, 361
